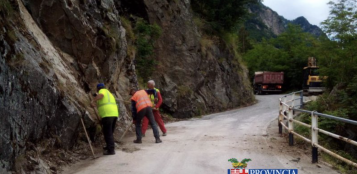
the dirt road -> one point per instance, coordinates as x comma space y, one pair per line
204, 146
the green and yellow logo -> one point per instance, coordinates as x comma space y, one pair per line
239, 165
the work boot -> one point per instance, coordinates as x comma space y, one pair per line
138, 141
164, 134
108, 153
158, 140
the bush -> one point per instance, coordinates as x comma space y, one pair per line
146, 35
223, 15
129, 30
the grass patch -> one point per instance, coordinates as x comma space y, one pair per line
231, 40
12, 35
130, 51
338, 165
6, 8
205, 43
184, 91
129, 29
16, 61
200, 110
199, 22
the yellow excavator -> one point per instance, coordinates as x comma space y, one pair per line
312, 83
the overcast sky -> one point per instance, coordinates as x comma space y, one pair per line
315, 11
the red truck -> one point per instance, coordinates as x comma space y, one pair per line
268, 82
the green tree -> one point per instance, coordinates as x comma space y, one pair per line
221, 15
339, 56
244, 43
341, 27
146, 35
288, 53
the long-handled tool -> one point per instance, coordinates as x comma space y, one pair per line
89, 141
126, 130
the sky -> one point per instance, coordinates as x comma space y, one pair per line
315, 11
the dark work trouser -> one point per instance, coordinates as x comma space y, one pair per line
146, 112
108, 130
158, 120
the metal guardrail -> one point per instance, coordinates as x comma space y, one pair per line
287, 110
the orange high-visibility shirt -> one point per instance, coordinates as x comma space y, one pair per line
142, 100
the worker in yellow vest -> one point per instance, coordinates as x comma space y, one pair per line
108, 111
142, 107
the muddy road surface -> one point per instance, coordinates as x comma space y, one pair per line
204, 145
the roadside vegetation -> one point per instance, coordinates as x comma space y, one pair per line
288, 53
337, 58
142, 37
146, 35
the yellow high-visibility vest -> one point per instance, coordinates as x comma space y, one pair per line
107, 106
152, 97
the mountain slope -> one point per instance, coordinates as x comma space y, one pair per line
264, 22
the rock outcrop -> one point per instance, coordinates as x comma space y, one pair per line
50, 63
53, 52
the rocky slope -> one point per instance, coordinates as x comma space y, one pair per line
265, 22
53, 52
193, 79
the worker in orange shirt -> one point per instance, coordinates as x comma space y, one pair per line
156, 110
142, 107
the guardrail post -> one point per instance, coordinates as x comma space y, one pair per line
280, 117
291, 126
293, 100
301, 99
314, 136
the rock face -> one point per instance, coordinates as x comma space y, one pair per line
49, 66
194, 80
272, 20
53, 52
263, 17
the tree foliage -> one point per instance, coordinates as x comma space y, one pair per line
288, 53
146, 35
221, 15
337, 60
340, 54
